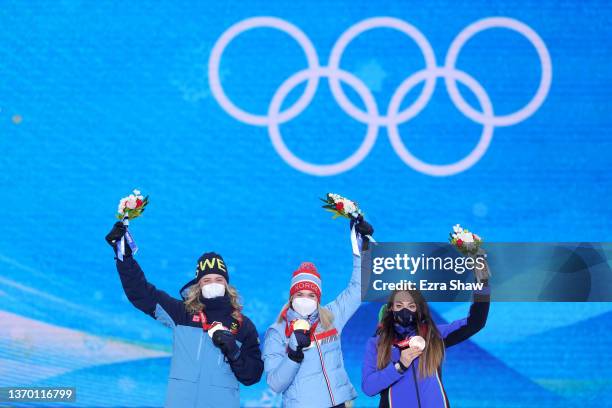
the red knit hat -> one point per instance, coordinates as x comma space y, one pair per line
306, 277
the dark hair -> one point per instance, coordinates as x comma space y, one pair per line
432, 356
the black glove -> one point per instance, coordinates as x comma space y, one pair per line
363, 228
226, 341
115, 235
302, 338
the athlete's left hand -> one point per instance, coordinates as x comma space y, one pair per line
226, 341
364, 229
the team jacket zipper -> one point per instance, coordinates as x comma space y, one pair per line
331, 395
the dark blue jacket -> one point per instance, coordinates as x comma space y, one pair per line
200, 375
408, 389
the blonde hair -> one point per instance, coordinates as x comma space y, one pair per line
193, 304
326, 317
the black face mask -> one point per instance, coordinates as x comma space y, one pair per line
405, 317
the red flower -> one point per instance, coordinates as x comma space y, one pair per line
340, 206
138, 203
459, 243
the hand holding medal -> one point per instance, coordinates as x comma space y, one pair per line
416, 342
224, 339
214, 327
301, 330
301, 324
413, 342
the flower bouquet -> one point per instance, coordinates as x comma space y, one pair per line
130, 207
343, 207
469, 244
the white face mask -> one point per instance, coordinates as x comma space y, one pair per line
213, 290
304, 306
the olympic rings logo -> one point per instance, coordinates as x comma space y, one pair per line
371, 116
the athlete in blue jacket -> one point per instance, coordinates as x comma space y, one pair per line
205, 370
305, 364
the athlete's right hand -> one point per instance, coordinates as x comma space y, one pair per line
408, 355
298, 340
115, 235
303, 338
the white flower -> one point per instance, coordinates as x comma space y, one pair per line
467, 237
137, 192
477, 238
349, 206
457, 229
131, 203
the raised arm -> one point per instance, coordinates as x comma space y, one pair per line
142, 294
462, 329
146, 297
349, 300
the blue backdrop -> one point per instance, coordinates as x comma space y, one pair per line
97, 99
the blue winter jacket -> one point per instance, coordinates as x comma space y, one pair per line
200, 375
320, 380
408, 389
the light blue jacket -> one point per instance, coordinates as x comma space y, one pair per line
200, 375
320, 380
